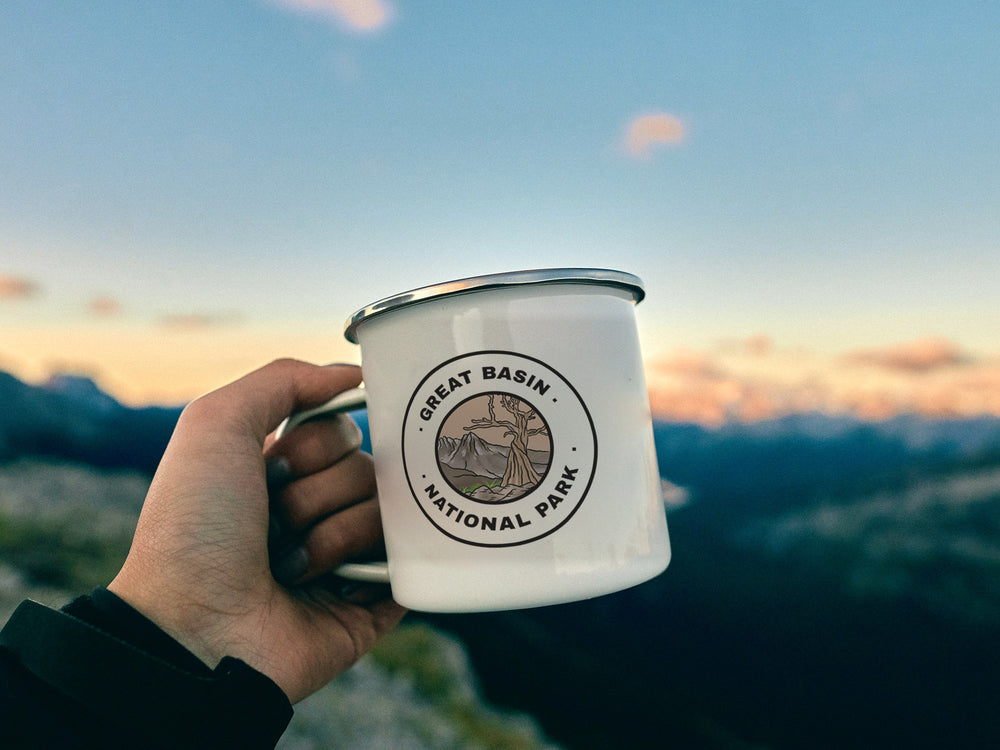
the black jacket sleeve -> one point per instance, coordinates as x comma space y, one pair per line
100, 675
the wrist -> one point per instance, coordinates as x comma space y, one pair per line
129, 671
194, 627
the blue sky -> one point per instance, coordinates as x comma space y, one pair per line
829, 177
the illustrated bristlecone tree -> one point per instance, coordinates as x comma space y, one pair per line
519, 470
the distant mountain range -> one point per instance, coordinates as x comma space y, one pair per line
834, 582
69, 417
787, 458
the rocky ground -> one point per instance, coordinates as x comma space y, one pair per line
66, 528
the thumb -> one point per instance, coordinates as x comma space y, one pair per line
264, 397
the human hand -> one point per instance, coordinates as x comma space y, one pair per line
199, 565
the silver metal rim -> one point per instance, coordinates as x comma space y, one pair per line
597, 276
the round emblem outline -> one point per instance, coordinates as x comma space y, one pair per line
579, 400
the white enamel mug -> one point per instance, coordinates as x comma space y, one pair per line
512, 439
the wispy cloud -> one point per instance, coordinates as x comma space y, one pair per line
920, 355
356, 15
16, 287
104, 307
689, 386
186, 322
649, 131
750, 380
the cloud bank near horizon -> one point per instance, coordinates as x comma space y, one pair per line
743, 380
176, 358
754, 380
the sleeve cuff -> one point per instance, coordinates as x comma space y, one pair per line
133, 673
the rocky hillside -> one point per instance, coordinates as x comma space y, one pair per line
66, 527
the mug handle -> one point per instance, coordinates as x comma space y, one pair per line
352, 400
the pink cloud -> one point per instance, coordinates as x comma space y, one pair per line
687, 386
685, 363
965, 392
646, 132
720, 400
104, 307
198, 321
15, 287
758, 345
928, 377
920, 355
358, 15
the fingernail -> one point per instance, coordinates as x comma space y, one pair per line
291, 567
274, 530
350, 433
277, 471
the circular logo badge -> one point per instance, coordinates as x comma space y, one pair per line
498, 448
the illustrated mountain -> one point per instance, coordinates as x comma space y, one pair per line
473, 465
474, 455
